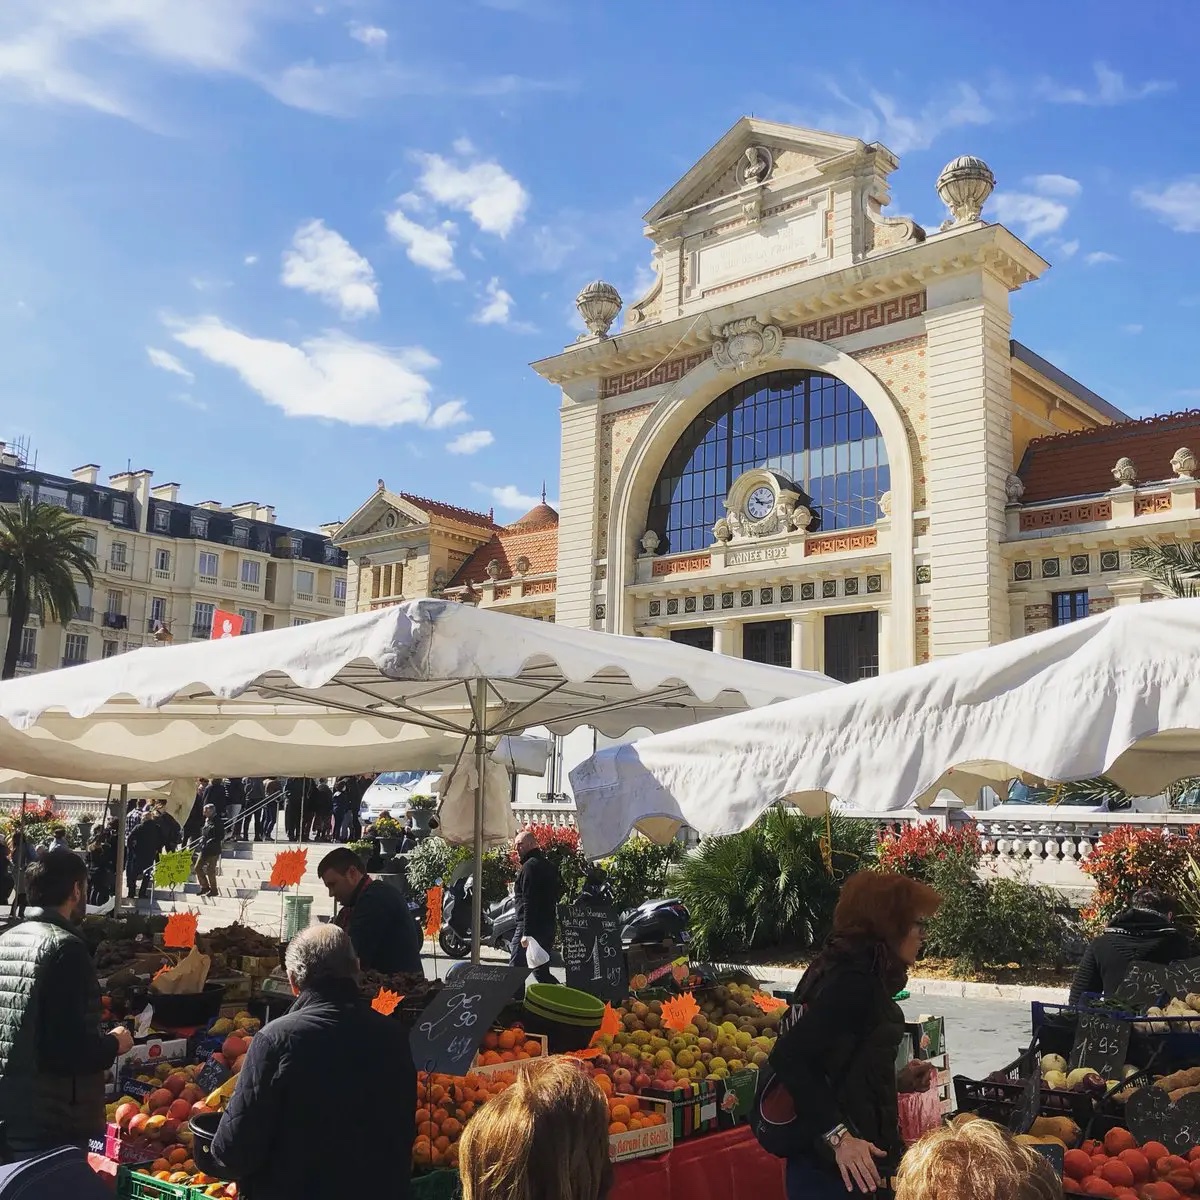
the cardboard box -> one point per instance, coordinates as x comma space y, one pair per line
121, 1148
642, 1143
517, 1064
695, 1107
143, 1057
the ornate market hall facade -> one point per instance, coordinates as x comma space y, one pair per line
813, 442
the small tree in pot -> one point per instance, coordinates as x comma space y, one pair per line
421, 809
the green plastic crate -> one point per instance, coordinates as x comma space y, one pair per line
134, 1185
435, 1185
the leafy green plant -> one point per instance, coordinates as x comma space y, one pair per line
1174, 566
639, 869
429, 862
768, 885
1127, 859
918, 848
364, 850
386, 826
985, 922
422, 803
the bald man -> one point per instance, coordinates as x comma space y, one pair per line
536, 893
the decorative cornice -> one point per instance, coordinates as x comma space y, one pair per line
681, 564
840, 543
1066, 514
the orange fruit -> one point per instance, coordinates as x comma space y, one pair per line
422, 1115
605, 1084
491, 1040
533, 1049
620, 1113
159, 1165
507, 1040
618, 1127
451, 1127
441, 1143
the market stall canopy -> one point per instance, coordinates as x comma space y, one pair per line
1113, 695
15, 783
382, 691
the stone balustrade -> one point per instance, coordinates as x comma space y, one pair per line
546, 810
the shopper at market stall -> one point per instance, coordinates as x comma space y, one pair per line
143, 847
385, 934
536, 894
832, 1107
326, 1099
977, 1161
545, 1138
53, 1054
1144, 932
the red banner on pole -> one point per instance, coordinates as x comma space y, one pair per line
225, 624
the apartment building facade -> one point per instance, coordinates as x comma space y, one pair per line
164, 566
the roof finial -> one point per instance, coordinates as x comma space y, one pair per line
543, 491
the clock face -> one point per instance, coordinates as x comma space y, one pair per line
760, 503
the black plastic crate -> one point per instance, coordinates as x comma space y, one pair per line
995, 1099
1171, 1048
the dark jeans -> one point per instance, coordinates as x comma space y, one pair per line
297, 821
808, 1179
518, 959
264, 822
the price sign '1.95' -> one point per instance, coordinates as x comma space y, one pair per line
448, 1033
1100, 1044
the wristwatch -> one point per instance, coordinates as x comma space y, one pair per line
834, 1138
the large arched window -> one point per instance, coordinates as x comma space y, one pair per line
807, 426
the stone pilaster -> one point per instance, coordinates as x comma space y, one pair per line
578, 480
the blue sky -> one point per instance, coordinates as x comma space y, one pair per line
277, 249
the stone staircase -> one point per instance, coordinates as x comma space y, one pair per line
243, 892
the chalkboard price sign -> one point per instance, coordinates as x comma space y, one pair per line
212, 1076
592, 950
1185, 976
1152, 1117
1144, 986
449, 1030
1054, 1155
1100, 1044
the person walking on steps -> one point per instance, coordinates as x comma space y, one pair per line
211, 842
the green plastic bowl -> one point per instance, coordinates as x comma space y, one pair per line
564, 1003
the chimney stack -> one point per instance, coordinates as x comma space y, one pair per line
88, 473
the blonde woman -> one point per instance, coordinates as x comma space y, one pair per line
977, 1161
545, 1138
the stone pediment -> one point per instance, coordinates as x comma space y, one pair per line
752, 152
384, 514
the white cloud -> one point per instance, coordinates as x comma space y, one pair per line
1033, 215
1133, 328
1176, 205
429, 246
1069, 249
1111, 88
333, 375
495, 200
1055, 185
164, 360
370, 35
453, 412
1096, 257
471, 441
322, 263
250, 260
511, 497
880, 118
497, 305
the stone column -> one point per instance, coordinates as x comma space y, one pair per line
727, 638
969, 456
804, 643
577, 511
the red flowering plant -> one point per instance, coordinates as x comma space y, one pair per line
1127, 859
922, 844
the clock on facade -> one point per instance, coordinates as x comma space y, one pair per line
759, 503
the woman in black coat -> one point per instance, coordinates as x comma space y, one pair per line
837, 1063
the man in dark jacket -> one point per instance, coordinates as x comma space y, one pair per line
385, 934
209, 852
52, 1053
307, 1122
298, 808
536, 894
1144, 932
144, 846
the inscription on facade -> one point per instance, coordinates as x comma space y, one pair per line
774, 244
738, 558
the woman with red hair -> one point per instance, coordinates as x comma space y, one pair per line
832, 1102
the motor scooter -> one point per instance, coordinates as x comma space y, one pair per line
499, 920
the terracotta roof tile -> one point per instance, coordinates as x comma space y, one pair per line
538, 543
540, 514
1080, 463
451, 512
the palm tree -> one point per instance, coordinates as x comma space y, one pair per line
1174, 566
42, 549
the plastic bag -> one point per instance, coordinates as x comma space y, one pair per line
919, 1113
535, 953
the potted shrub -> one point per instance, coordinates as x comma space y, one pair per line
421, 809
387, 833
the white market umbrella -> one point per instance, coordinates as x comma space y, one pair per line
1113, 695
17, 783
399, 688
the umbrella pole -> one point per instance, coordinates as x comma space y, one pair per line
122, 824
24, 854
480, 762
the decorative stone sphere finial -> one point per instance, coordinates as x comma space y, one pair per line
964, 186
379, 485
493, 568
1014, 489
885, 504
1125, 473
721, 531
650, 542
1183, 463
598, 305
522, 565
802, 517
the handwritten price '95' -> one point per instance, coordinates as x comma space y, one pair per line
460, 1009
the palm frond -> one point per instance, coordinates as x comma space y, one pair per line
1174, 566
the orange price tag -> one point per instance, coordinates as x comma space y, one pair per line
678, 1012
289, 868
433, 912
385, 1001
768, 1004
180, 933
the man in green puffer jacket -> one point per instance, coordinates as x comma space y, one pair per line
53, 1054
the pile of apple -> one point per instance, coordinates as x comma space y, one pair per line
163, 1119
1120, 1169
